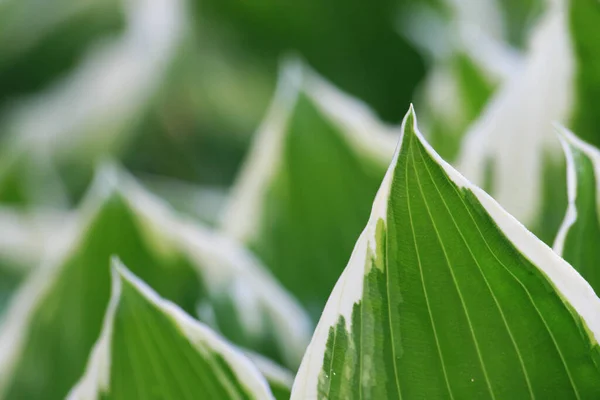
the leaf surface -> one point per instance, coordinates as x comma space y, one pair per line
150, 348
448, 296
307, 186
578, 238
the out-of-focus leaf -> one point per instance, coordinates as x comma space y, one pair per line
511, 150
307, 185
25, 237
520, 16
584, 20
40, 41
88, 114
448, 296
280, 379
56, 316
463, 42
30, 180
579, 236
150, 348
202, 202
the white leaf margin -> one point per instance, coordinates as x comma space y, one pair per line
348, 289
356, 122
96, 378
521, 111
225, 266
64, 119
569, 141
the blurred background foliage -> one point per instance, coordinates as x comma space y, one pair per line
175, 89
197, 125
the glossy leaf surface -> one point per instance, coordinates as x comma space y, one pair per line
448, 296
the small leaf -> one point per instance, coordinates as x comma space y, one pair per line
448, 296
57, 315
150, 348
579, 236
307, 185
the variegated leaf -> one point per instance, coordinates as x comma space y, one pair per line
56, 316
448, 296
150, 348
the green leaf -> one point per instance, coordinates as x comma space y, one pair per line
308, 183
280, 379
57, 315
584, 19
448, 296
24, 239
62, 33
510, 150
150, 348
579, 235
87, 116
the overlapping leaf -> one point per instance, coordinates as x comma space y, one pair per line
307, 186
150, 348
468, 61
56, 317
511, 150
448, 296
579, 236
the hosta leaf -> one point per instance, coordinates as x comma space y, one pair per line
510, 150
150, 348
56, 317
447, 296
280, 379
307, 186
468, 62
579, 236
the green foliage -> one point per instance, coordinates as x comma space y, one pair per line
308, 184
453, 291
153, 349
584, 17
448, 292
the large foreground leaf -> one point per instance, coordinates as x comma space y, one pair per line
448, 296
578, 240
150, 348
56, 317
306, 188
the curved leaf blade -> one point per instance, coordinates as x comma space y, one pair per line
579, 235
308, 184
448, 296
150, 348
56, 317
